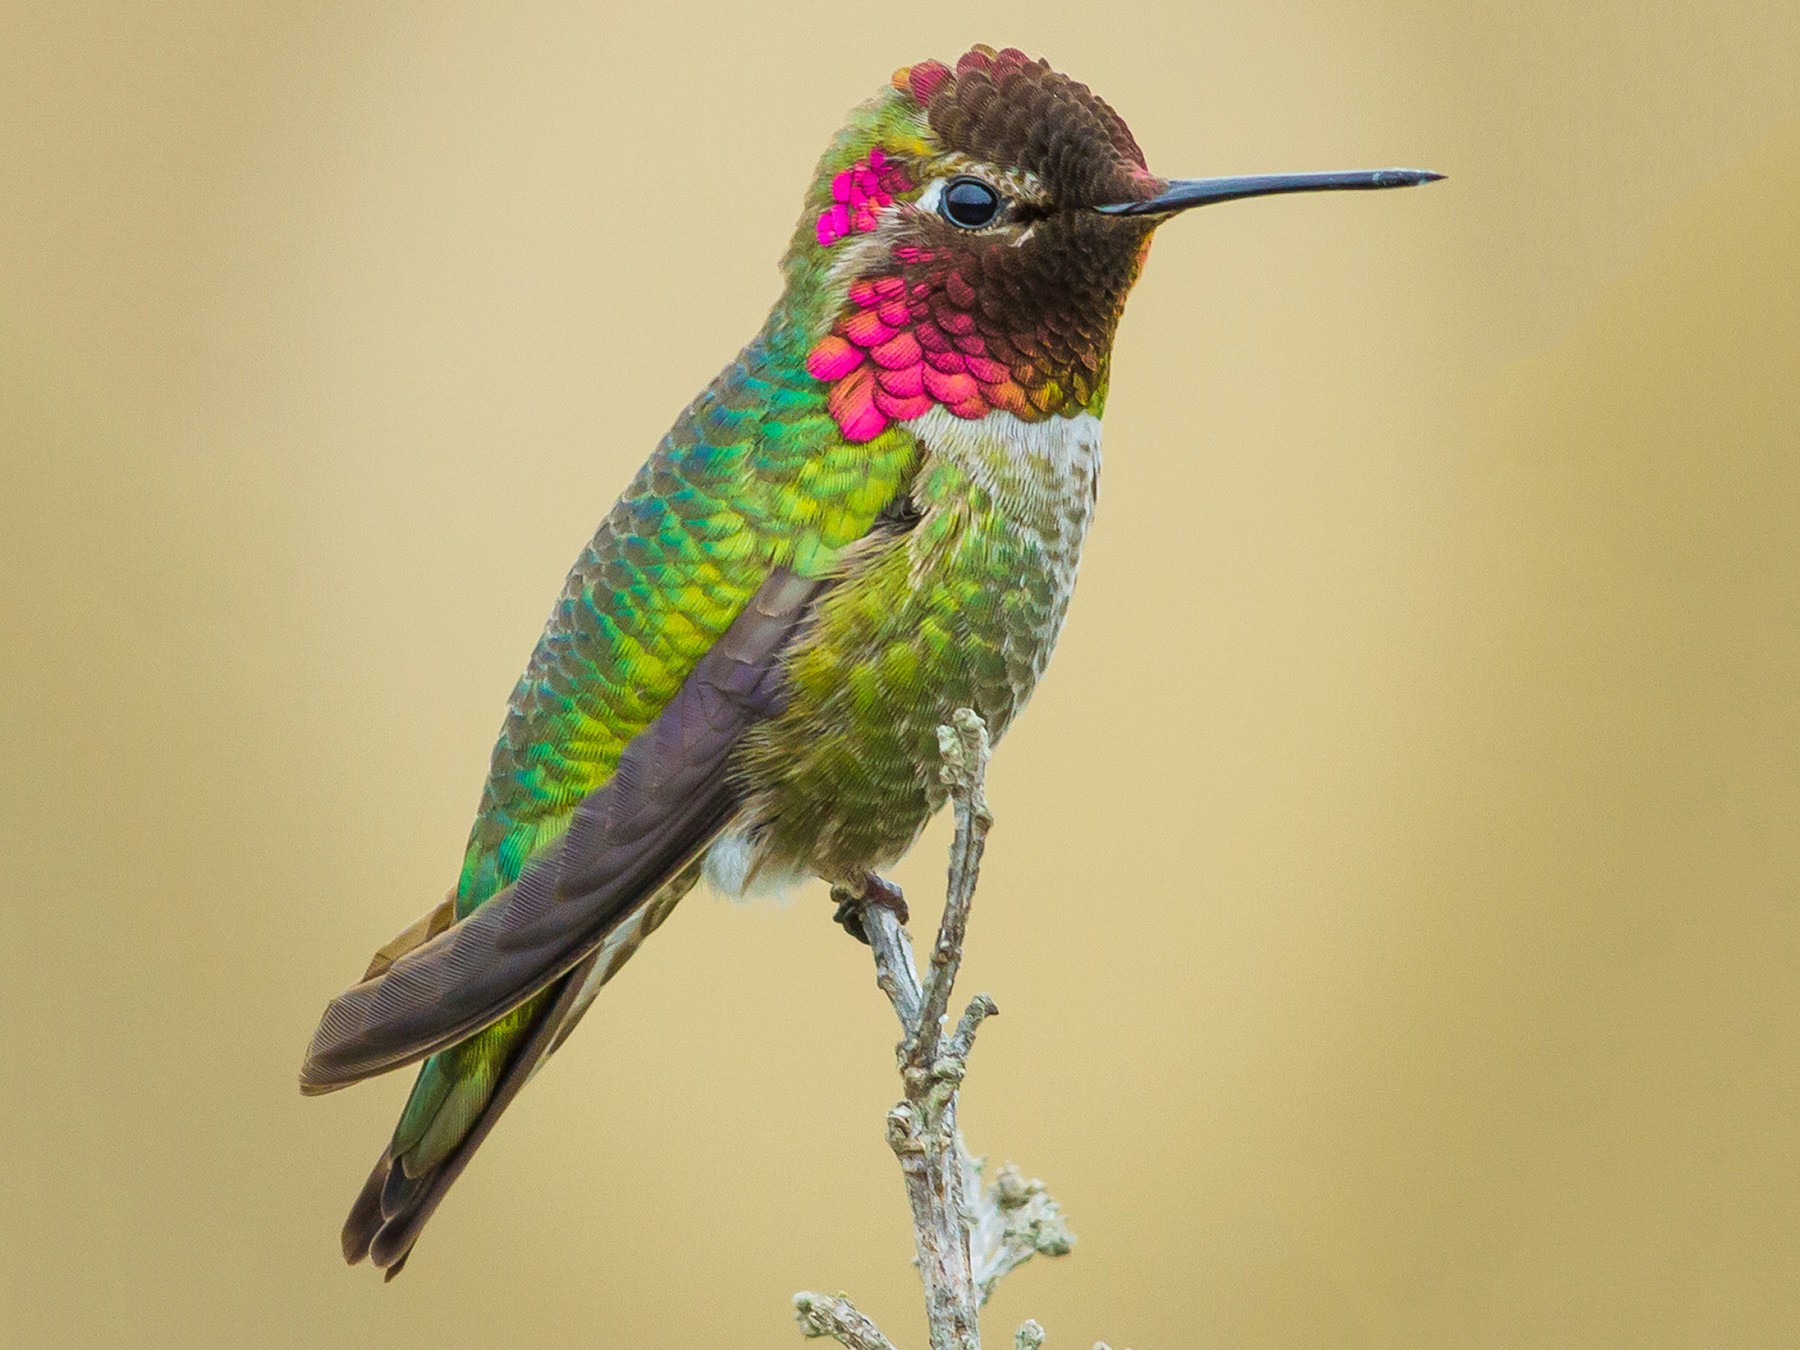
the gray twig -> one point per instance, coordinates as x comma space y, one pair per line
835, 1316
964, 748
968, 1235
1015, 1220
894, 970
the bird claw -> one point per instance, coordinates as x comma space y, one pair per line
851, 906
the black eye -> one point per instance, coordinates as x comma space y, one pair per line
969, 202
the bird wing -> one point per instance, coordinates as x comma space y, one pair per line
666, 800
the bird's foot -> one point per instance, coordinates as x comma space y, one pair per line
852, 904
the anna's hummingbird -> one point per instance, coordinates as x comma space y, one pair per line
872, 517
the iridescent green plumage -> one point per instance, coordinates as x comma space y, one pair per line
869, 519
959, 610
752, 477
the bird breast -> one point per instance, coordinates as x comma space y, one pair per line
959, 609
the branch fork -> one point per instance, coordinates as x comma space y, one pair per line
969, 1231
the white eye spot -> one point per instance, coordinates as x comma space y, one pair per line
932, 195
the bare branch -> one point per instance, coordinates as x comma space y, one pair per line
894, 970
968, 1235
964, 747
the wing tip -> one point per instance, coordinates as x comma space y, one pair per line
314, 1082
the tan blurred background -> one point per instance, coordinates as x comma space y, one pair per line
1394, 899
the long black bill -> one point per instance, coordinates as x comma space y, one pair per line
1185, 192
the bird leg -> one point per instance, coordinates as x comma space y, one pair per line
871, 890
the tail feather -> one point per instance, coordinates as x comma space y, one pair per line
365, 1215
394, 1204
393, 1207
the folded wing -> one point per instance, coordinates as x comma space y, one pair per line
670, 795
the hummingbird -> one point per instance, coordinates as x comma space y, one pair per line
871, 518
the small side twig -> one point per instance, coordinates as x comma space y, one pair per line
968, 1235
894, 970
1015, 1220
835, 1316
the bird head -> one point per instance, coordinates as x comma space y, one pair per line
971, 237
